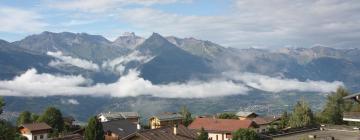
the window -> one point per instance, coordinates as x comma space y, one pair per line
35, 137
41, 136
216, 137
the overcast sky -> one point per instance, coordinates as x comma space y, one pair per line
231, 23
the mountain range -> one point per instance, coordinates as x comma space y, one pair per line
175, 59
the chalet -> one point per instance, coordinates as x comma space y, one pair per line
265, 122
246, 115
35, 131
165, 119
176, 132
119, 129
221, 129
352, 116
110, 116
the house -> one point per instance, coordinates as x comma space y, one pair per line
119, 129
246, 115
35, 131
352, 116
131, 116
165, 119
69, 137
221, 129
176, 132
264, 123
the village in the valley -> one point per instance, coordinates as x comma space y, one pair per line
334, 122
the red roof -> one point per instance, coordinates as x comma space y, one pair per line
223, 125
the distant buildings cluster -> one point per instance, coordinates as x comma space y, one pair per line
163, 126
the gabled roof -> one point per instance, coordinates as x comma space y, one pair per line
167, 133
265, 120
122, 128
168, 116
245, 114
69, 137
119, 115
352, 96
36, 126
221, 125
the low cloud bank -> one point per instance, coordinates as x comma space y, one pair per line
32, 83
278, 84
118, 65
63, 60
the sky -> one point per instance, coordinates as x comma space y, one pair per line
231, 23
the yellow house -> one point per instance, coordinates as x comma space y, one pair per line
165, 119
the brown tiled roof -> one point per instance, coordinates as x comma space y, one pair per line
167, 133
36, 126
69, 137
221, 125
265, 120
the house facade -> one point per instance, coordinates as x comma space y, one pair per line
165, 119
35, 131
221, 129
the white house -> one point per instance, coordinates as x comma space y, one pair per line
35, 131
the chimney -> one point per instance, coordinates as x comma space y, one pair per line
175, 129
138, 127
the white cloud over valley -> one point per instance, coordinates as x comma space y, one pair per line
63, 60
32, 83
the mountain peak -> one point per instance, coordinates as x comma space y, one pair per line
129, 34
128, 40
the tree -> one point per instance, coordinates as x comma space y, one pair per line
2, 104
94, 130
7, 132
53, 117
24, 117
245, 134
335, 107
227, 116
203, 135
302, 115
187, 119
284, 120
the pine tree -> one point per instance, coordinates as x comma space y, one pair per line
335, 107
94, 130
203, 135
187, 119
302, 115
